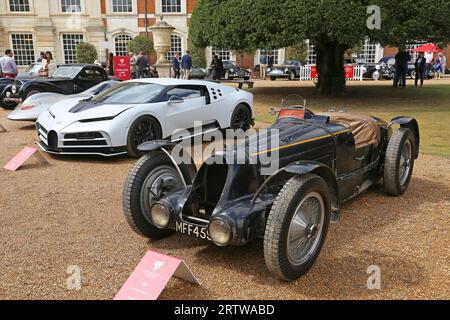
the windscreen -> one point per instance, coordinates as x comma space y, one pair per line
130, 93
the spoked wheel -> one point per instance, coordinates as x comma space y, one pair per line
399, 162
153, 177
241, 118
306, 224
297, 227
144, 129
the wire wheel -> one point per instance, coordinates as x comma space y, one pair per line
305, 227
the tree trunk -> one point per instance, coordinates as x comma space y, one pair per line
330, 65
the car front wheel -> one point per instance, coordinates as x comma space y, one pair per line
153, 177
144, 129
241, 118
7, 105
399, 162
297, 227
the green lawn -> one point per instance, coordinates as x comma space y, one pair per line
430, 105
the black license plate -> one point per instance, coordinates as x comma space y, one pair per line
192, 230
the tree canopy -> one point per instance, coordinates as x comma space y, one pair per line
334, 26
141, 43
86, 53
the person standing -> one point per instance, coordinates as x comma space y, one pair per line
186, 65
263, 66
438, 67
215, 67
41, 57
401, 67
270, 61
176, 66
429, 62
48, 66
110, 66
141, 64
132, 65
8, 66
444, 63
420, 66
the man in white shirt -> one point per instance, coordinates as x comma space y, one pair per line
8, 67
429, 59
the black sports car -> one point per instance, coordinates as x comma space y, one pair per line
289, 69
68, 79
232, 71
30, 73
324, 160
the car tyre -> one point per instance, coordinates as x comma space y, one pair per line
399, 162
301, 197
291, 76
7, 105
137, 194
144, 129
273, 78
241, 118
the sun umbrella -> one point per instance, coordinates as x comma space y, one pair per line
429, 47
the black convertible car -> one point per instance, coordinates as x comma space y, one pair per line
324, 160
232, 71
68, 79
289, 70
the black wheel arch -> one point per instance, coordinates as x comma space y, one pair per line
413, 125
303, 168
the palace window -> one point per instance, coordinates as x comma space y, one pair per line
312, 54
224, 55
23, 48
275, 54
70, 42
369, 51
175, 47
121, 44
120, 6
19, 5
70, 6
169, 6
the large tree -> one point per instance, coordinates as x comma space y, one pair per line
334, 26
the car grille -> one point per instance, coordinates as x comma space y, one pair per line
42, 133
84, 139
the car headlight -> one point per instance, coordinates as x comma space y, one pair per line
286, 70
13, 89
220, 232
232, 70
160, 214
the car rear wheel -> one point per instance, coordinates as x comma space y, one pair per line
399, 162
297, 226
273, 78
241, 118
291, 76
144, 129
153, 177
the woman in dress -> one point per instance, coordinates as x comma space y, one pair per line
438, 67
48, 66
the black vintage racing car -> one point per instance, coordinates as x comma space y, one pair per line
68, 79
324, 160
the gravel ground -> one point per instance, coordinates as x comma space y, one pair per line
69, 213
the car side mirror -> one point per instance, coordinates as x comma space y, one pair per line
175, 100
